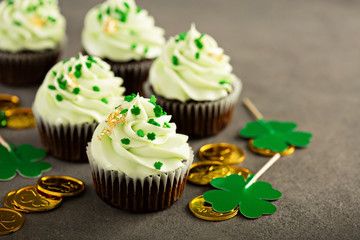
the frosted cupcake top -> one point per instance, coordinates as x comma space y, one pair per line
121, 31
192, 67
139, 140
32, 25
78, 90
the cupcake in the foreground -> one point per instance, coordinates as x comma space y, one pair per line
31, 35
125, 36
75, 96
139, 163
193, 81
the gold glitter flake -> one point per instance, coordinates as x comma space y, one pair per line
112, 120
110, 26
37, 21
71, 80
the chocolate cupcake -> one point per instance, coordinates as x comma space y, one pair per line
193, 81
139, 163
75, 96
32, 33
125, 36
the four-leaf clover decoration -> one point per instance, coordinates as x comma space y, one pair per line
24, 160
275, 135
251, 200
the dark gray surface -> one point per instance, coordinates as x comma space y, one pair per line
299, 61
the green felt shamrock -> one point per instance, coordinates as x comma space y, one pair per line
275, 135
24, 160
251, 200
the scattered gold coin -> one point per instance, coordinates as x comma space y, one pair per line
29, 199
268, 152
240, 171
19, 118
8, 101
202, 173
9, 202
60, 186
10, 221
224, 152
199, 208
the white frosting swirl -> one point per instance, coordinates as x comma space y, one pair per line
78, 90
139, 155
192, 67
121, 31
33, 25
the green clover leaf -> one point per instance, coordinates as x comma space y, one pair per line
24, 160
251, 200
275, 135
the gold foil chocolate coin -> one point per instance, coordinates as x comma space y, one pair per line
202, 173
9, 202
203, 210
19, 118
29, 199
268, 152
60, 186
224, 152
10, 221
240, 171
8, 101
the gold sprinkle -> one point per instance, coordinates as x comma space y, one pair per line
71, 80
110, 26
112, 120
99, 138
219, 58
37, 21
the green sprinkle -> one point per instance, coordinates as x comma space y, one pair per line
175, 60
77, 74
54, 73
151, 136
108, 11
78, 67
123, 17
135, 110
224, 82
17, 23
96, 89
198, 42
88, 64
91, 59
65, 61
125, 141
59, 97
197, 55
52, 87
158, 111
62, 84
104, 100
182, 36
133, 46
138, 9
146, 50
10, 2
126, 5
129, 98
158, 165
124, 111
100, 17
166, 125
152, 100
76, 91
70, 69
153, 122
51, 19
140, 133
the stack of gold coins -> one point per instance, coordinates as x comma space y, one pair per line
11, 116
46, 195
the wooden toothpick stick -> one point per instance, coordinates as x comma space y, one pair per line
4, 143
251, 107
263, 169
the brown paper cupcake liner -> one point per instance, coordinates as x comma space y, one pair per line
65, 141
25, 68
199, 119
153, 193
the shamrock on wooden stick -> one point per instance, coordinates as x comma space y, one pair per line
249, 195
23, 159
274, 135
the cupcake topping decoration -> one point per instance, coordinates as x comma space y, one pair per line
249, 195
273, 135
142, 136
23, 159
82, 89
192, 67
33, 25
121, 31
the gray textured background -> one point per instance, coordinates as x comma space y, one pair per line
299, 61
